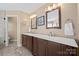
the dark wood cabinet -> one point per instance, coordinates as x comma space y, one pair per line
53, 49
77, 51
68, 50
35, 46
27, 42
41, 47
24, 40
57, 49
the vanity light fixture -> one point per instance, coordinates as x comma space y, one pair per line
52, 6
48, 8
59, 4
32, 16
55, 6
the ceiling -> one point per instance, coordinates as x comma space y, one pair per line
25, 7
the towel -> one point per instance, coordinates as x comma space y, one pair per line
29, 29
68, 29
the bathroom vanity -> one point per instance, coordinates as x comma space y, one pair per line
44, 45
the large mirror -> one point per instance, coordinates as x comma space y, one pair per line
53, 18
33, 23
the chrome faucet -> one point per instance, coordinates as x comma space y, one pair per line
50, 34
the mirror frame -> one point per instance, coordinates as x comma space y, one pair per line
35, 23
58, 19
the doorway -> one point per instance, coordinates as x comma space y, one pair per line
12, 30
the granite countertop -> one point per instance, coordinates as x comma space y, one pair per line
77, 41
61, 40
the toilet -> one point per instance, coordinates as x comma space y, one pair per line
9, 38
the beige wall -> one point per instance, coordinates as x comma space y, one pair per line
68, 11
22, 16
77, 36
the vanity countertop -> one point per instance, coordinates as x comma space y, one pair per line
62, 40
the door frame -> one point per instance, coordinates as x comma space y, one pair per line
18, 30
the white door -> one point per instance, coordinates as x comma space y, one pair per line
2, 30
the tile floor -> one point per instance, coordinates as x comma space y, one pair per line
13, 50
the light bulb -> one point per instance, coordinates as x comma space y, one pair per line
34, 15
49, 8
54, 5
59, 5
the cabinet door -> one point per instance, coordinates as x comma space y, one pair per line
35, 47
24, 40
29, 42
69, 51
53, 49
42, 45
78, 51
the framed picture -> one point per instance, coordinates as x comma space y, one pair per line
40, 21
53, 18
33, 23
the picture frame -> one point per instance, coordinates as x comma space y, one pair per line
33, 23
40, 21
53, 18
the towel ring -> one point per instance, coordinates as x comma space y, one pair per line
68, 20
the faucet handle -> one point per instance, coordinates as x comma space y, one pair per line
50, 34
